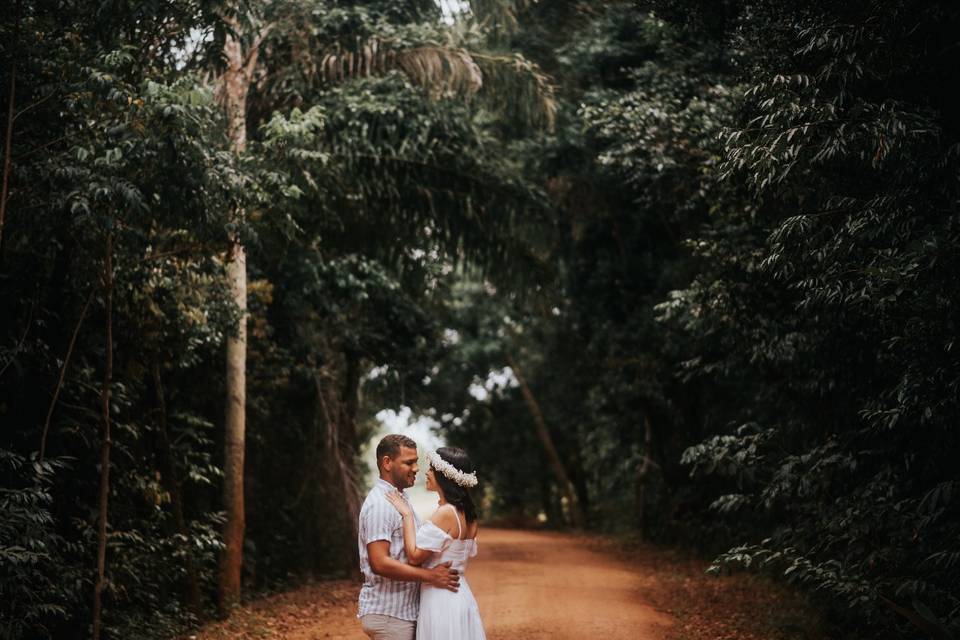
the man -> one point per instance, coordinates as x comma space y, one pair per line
390, 596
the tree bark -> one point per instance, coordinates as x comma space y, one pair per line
641, 478
543, 433
169, 477
236, 85
346, 438
8, 137
340, 467
347, 441
105, 441
231, 561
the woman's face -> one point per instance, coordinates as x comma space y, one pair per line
431, 480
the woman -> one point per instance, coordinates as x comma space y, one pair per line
449, 536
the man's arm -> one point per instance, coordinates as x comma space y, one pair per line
382, 564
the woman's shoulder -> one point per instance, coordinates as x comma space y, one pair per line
445, 519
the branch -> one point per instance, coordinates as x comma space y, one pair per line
23, 338
63, 373
250, 62
48, 144
188, 250
35, 104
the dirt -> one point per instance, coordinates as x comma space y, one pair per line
537, 585
547, 585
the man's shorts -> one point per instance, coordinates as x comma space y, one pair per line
381, 627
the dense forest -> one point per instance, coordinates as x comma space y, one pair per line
688, 271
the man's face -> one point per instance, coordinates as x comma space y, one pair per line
402, 469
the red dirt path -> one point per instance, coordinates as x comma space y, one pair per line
539, 585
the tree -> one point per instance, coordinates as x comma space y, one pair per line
241, 61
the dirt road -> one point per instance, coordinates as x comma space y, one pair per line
529, 585
533, 585
561, 586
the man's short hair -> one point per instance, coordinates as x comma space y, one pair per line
390, 446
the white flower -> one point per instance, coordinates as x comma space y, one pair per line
451, 472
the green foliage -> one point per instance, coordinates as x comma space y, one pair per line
107, 142
399, 175
322, 43
34, 588
837, 314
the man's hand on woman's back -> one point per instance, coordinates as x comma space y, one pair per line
443, 577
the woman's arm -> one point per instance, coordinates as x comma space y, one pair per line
415, 555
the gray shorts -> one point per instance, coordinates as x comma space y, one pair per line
381, 627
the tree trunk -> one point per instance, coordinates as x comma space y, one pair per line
231, 561
347, 438
104, 438
63, 374
559, 471
641, 478
8, 137
236, 83
342, 476
168, 471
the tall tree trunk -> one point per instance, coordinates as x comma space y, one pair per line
643, 470
231, 560
347, 441
543, 433
236, 84
63, 374
104, 438
168, 470
351, 402
341, 471
8, 136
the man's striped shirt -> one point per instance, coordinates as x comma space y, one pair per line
379, 520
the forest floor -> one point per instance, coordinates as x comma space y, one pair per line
533, 585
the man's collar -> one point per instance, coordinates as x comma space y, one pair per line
386, 486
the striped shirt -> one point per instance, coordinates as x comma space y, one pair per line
379, 520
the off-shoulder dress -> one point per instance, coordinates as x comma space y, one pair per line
444, 614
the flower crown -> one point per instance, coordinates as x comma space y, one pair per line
451, 472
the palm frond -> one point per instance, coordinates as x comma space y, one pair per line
517, 84
440, 70
509, 83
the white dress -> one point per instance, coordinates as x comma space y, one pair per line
444, 614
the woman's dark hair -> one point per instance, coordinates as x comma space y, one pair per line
453, 493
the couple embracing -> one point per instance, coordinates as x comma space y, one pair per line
412, 570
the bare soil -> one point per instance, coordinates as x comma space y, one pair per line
533, 585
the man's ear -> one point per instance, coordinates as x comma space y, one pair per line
386, 462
